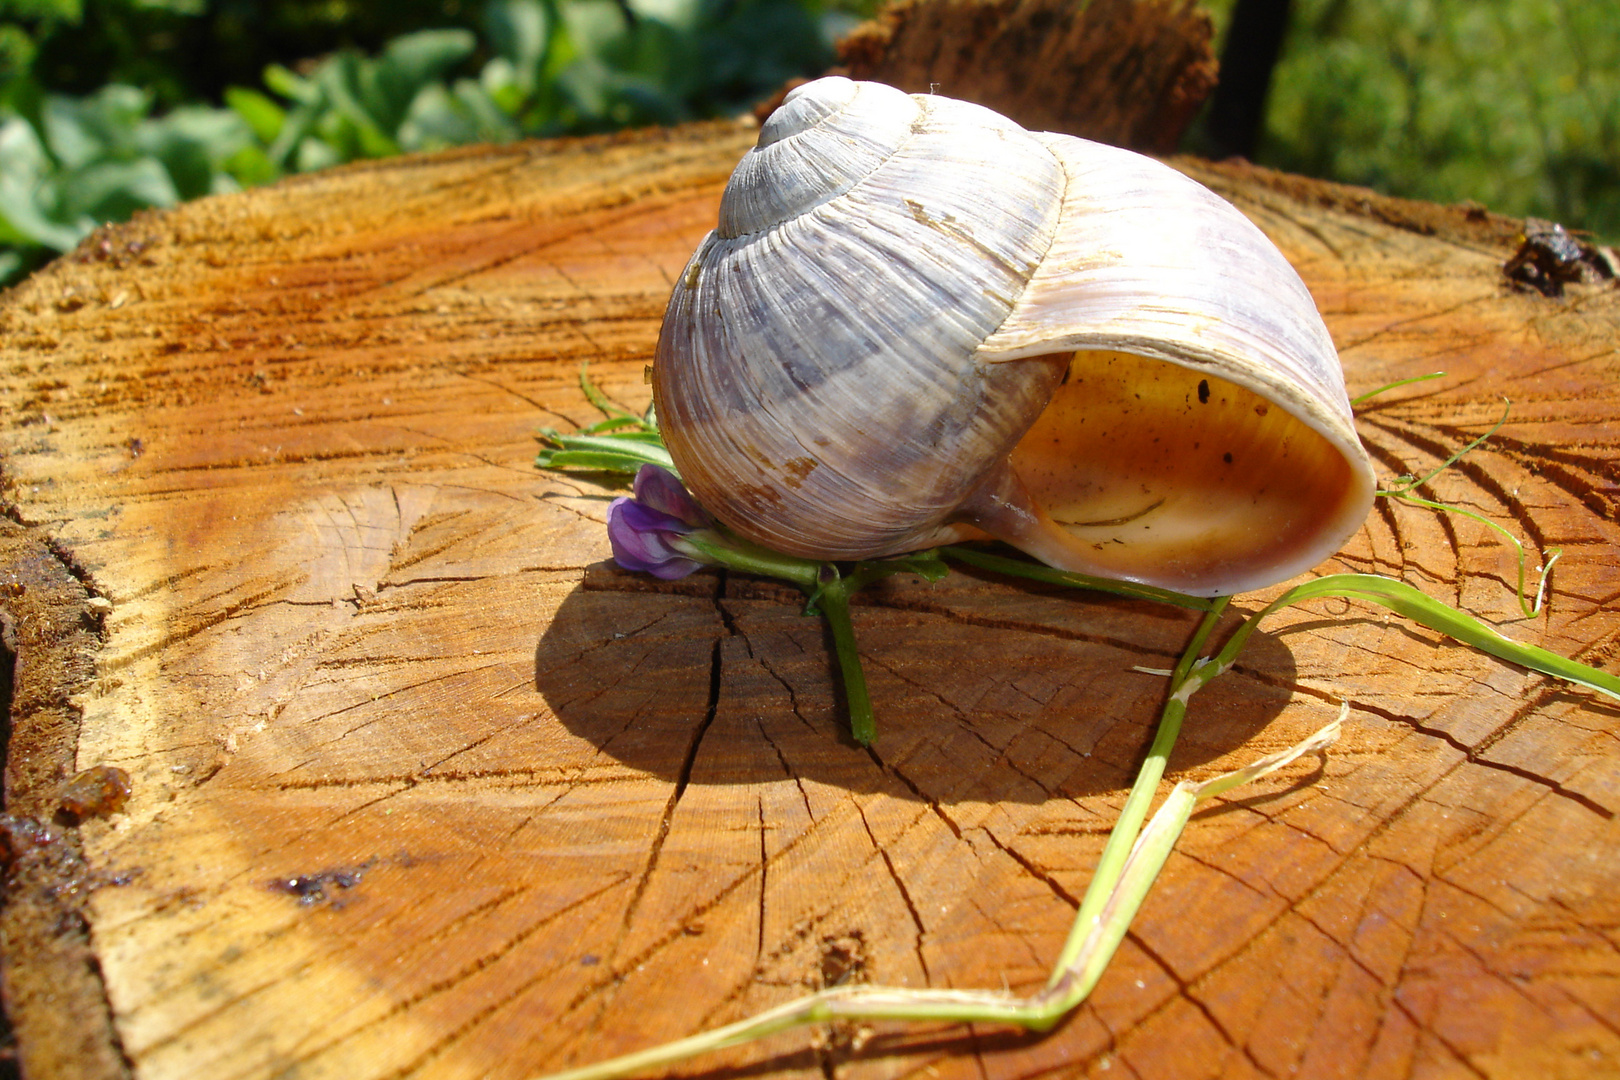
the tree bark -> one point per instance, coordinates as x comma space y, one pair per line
424, 786
1130, 73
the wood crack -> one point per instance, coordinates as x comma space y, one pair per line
1184, 990
1474, 756
683, 778
920, 932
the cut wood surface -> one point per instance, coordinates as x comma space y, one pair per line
425, 787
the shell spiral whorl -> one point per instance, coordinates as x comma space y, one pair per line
897, 289
788, 337
821, 142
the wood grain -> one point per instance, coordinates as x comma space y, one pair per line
425, 787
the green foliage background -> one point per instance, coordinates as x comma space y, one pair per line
108, 106
522, 68
1511, 103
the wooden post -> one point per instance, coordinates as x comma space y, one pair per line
424, 786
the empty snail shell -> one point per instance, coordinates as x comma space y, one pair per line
918, 323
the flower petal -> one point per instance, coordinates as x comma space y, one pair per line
639, 516
657, 487
640, 537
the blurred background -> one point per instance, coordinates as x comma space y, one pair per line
108, 106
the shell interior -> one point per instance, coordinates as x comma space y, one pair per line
1158, 472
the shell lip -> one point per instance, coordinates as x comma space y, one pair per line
1125, 240
1329, 534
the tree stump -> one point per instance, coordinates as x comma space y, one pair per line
424, 786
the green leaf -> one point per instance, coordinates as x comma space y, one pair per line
684, 15
376, 143
347, 85
17, 52
594, 26
440, 118
80, 131
601, 453
338, 134
263, 116
436, 120
177, 7
519, 31
70, 11
427, 55
387, 87
251, 166
1403, 599
314, 155
491, 122
301, 120
23, 159
290, 86
114, 190
22, 223
499, 80
29, 194
193, 142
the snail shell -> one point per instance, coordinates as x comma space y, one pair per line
919, 323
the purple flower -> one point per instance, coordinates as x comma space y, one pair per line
658, 488
646, 531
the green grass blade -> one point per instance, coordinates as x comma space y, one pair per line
1035, 571
1410, 482
601, 453
1405, 600
594, 395
1122, 839
1397, 384
1531, 610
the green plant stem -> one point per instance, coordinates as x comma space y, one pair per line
833, 601
1405, 600
1071, 982
735, 553
1123, 837
1370, 394
1133, 856
829, 593
1041, 572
